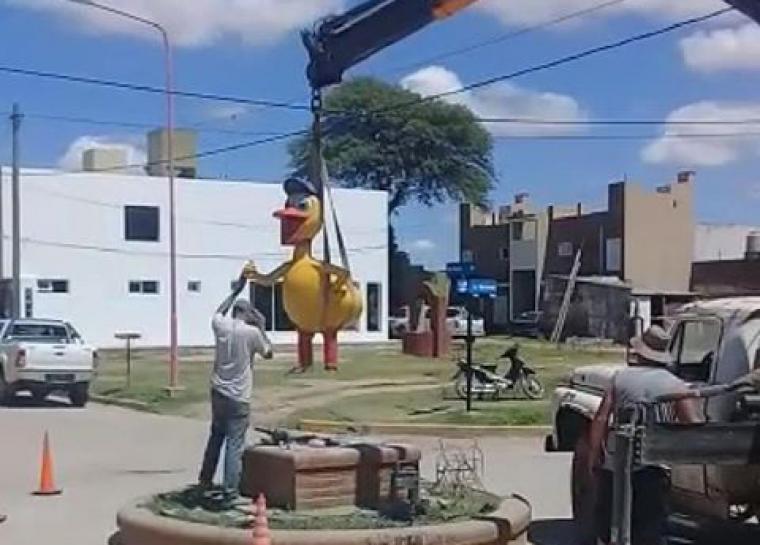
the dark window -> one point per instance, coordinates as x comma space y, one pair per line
374, 306
505, 254
42, 333
141, 223
262, 296
281, 319
147, 287
194, 286
52, 286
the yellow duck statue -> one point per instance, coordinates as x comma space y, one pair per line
318, 297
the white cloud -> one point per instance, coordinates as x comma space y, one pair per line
714, 151
501, 100
196, 22
723, 49
531, 12
71, 160
227, 112
423, 245
754, 191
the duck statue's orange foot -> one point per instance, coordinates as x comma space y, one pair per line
306, 351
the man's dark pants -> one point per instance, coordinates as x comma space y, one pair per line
229, 423
649, 510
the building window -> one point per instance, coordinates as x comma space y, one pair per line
504, 254
141, 223
565, 249
373, 306
52, 286
262, 298
523, 230
194, 286
468, 256
281, 319
144, 287
614, 254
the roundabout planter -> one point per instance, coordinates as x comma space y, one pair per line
508, 524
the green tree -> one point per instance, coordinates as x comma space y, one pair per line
380, 136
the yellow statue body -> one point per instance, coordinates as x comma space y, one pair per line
318, 297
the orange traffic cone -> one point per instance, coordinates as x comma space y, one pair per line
47, 481
261, 535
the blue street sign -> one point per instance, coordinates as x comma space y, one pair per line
463, 286
482, 287
460, 269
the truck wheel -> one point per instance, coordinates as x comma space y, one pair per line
6, 393
583, 490
80, 394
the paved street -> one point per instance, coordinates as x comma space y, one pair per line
105, 456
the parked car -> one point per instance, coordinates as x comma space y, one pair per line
527, 324
712, 342
456, 321
398, 322
45, 356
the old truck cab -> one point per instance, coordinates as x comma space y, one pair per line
711, 342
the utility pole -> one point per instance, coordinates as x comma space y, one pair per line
16, 118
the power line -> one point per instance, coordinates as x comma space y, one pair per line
618, 122
586, 53
121, 251
199, 155
137, 125
598, 137
550, 64
139, 87
501, 38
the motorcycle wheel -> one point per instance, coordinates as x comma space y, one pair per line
460, 387
532, 387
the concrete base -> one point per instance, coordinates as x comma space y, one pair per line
139, 526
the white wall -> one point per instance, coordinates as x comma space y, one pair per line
73, 228
717, 242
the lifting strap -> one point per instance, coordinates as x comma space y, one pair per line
344, 262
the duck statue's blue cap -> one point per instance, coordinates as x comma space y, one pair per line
294, 186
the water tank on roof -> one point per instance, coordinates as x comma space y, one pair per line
753, 245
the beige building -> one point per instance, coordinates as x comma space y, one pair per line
643, 239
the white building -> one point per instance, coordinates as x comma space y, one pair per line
95, 252
721, 242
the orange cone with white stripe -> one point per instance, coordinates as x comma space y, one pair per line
261, 534
47, 481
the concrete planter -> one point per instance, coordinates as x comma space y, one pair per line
139, 526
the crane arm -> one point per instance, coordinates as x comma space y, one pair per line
339, 42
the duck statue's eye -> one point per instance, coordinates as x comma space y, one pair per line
303, 204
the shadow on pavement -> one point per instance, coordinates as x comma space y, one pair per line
27, 402
561, 532
552, 532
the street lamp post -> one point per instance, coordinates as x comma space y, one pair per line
169, 81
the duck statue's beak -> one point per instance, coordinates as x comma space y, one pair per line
291, 221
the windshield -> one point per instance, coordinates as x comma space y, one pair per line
38, 333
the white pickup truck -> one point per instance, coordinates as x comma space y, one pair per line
712, 342
44, 356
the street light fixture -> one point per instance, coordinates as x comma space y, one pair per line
173, 351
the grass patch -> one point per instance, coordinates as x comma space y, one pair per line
363, 369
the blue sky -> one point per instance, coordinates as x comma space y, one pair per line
252, 49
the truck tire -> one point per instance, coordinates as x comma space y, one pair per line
6, 393
583, 489
79, 394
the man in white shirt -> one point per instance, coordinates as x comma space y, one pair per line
239, 338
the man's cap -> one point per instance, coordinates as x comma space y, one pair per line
653, 345
242, 306
294, 186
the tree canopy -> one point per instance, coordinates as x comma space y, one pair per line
380, 136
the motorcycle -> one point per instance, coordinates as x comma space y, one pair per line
486, 381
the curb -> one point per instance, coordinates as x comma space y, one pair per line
121, 402
436, 430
